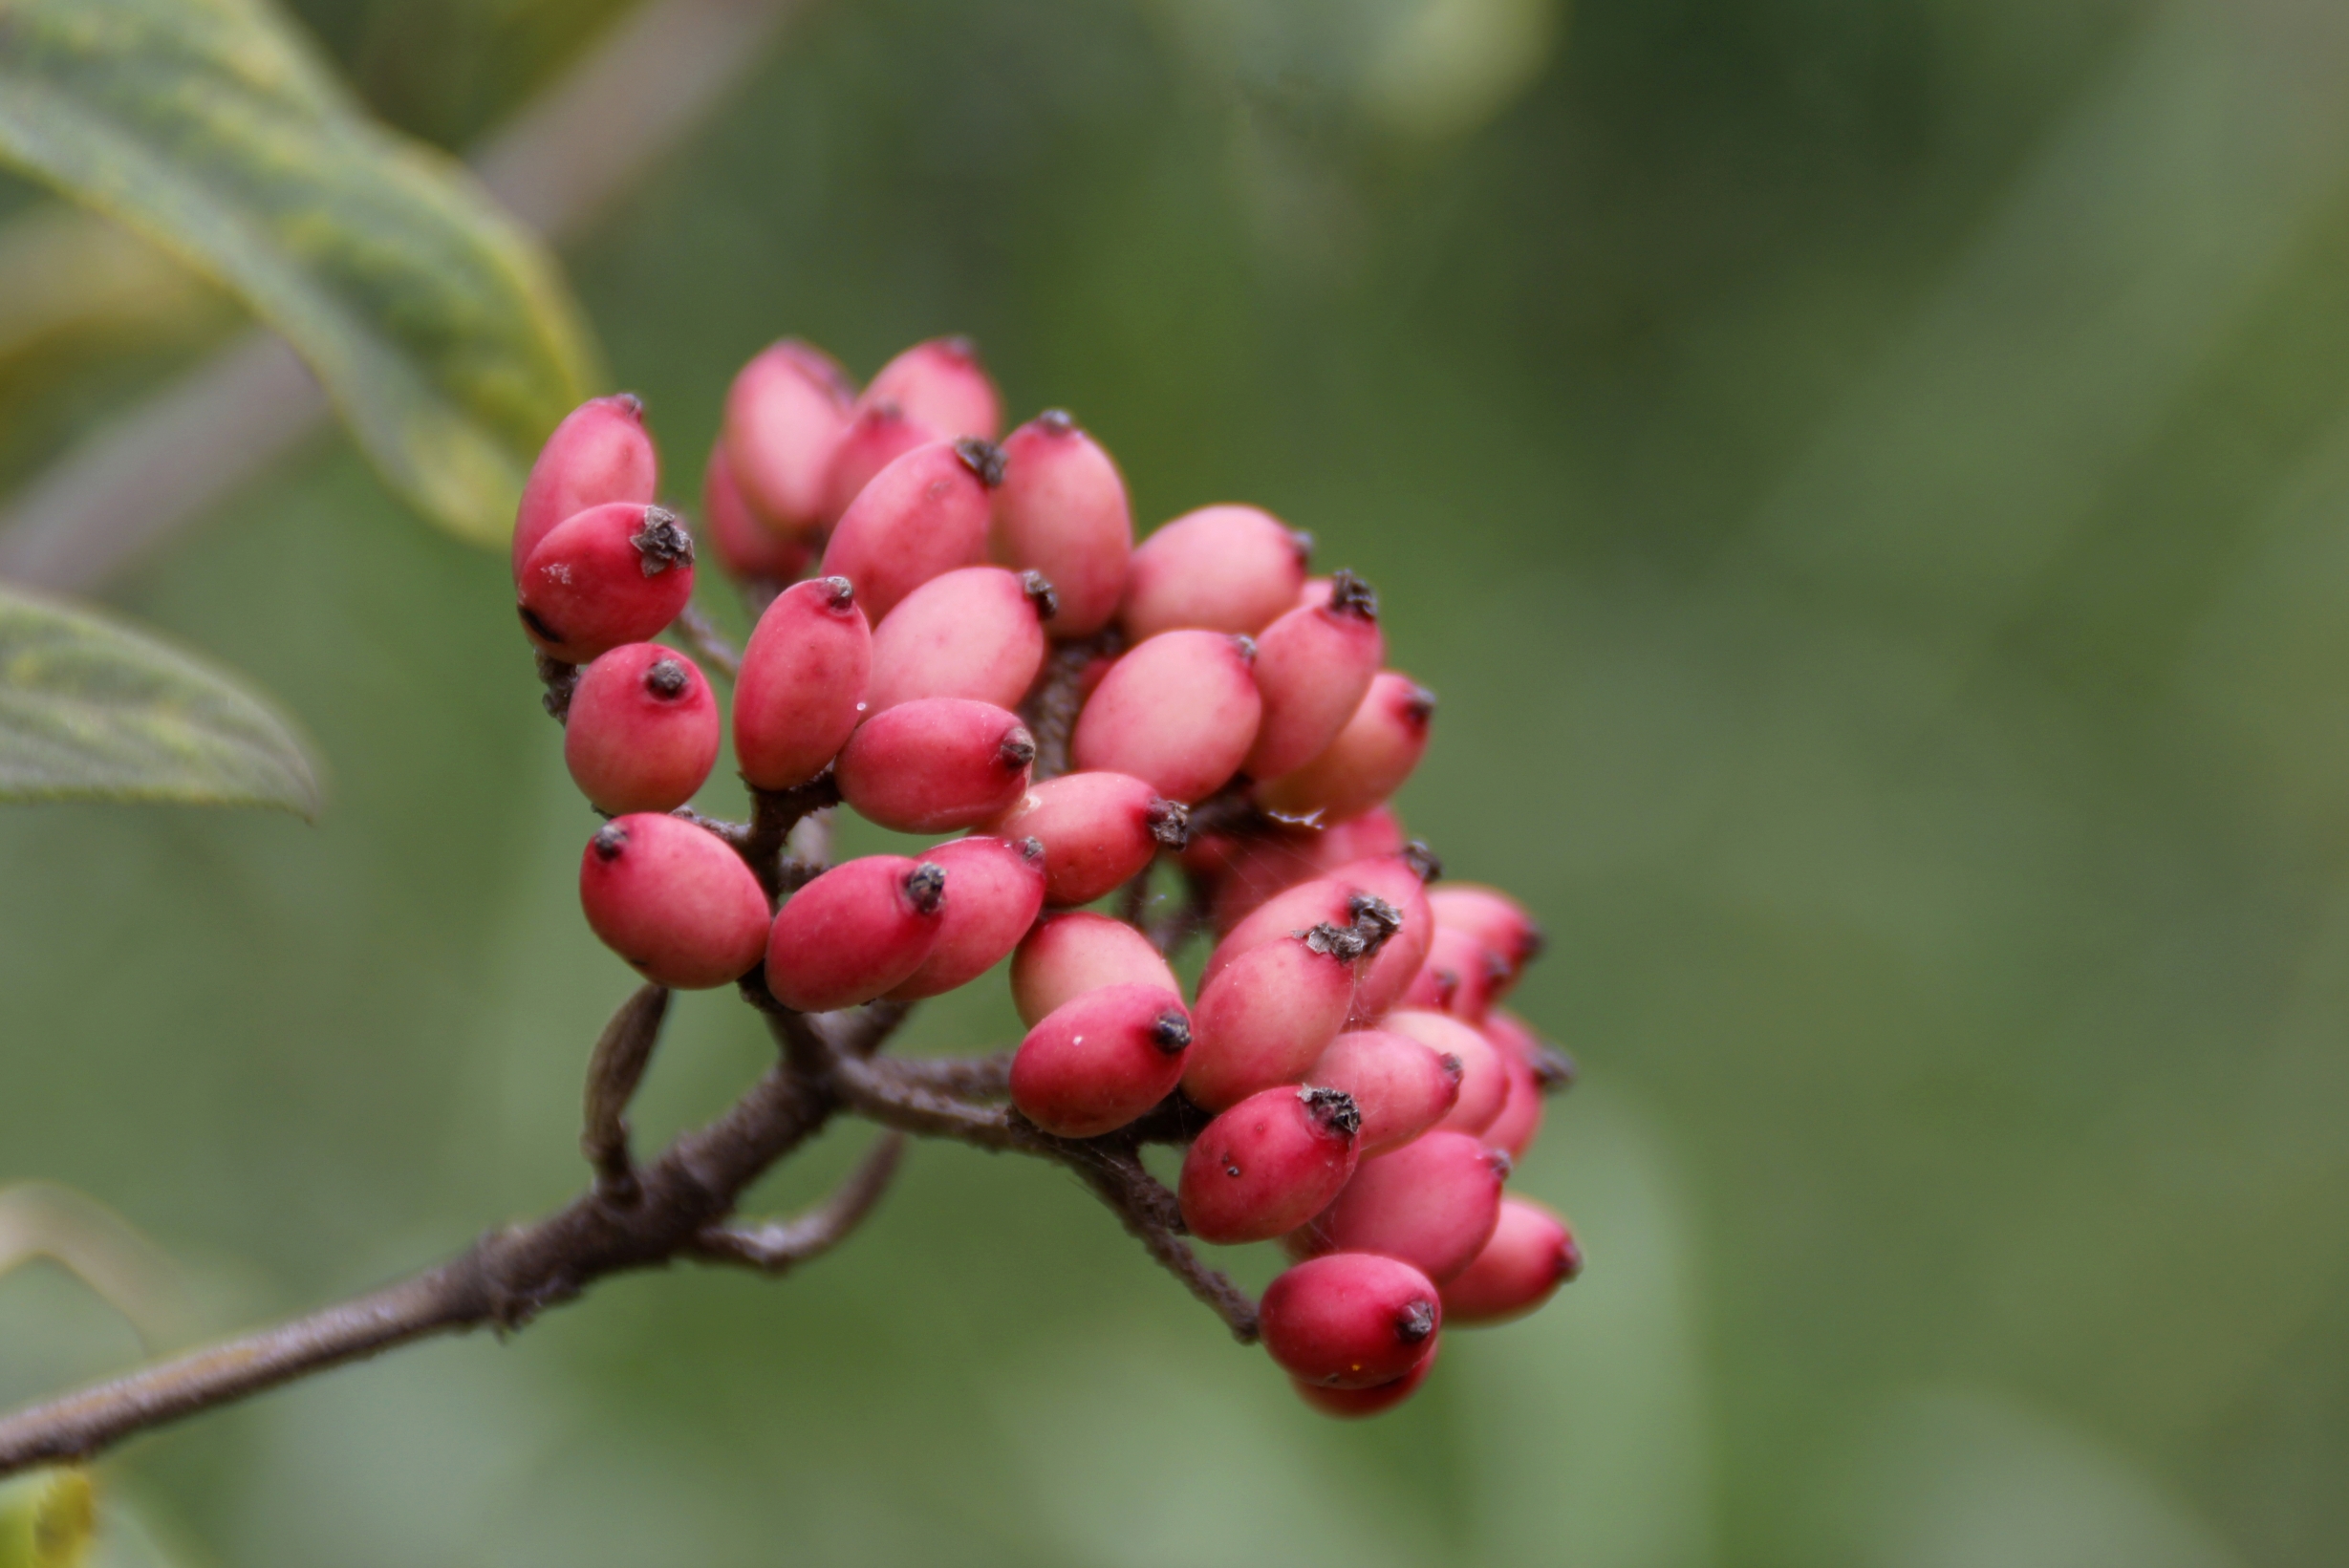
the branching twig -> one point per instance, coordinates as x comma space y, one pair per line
695, 628
967, 1077
1050, 710
613, 1072
779, 1246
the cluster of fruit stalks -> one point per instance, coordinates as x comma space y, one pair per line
971, 643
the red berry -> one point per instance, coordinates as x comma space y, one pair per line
999, 891
672, 900
977, 631
1314, 667
1368, 761
802, 687
1401, 1087
936, 764
1220, 568
641, 731
1180, 711
1514, 1130
1495, 920
1101, 1059
924, 514
1269, 1014
1099, 832
860, 928
1355, 1404
615, 574
1460, 977
1432, 1203
943, 384
785, 415
747, 548
1350, 1319
1068, 955
598, 454
1532, 1253
879, 435
1484, 1075
1269, 1164
1061, 510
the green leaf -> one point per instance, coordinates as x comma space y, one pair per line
91, 710
47, 1519
443, 331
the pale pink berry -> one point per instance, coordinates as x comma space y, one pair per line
1061, 510
1495, 920
1401, 1087
879, 435
1484, 1077
1269, 1015
1220, 568
942, 383
747, 548
1531, 1254
924, 514
977, 631
1313, 667
999, 892
785, 415
855, 932
936, 764
1068, 955
672, 900
1399, 880
1460, 975
641, 731
1368, 761
1099, 832
1356, 1404
615, 574
1350, 1319
1520, 1123
1316, 592
599, 454
1290, 913
1179, 712
802, 687
1269, 1164
1432, 1203
1101, 1059
1386, 891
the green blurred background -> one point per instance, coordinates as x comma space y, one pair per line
1871, 483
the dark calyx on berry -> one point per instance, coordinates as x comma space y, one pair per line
1171, 1031
662, 542
1415, 1321
1333, 1109
984, 459
926, 886
1018, 750
1039, 590
1170, 822
839, 593
1422, 861
667, 678
1350, 596
610, 840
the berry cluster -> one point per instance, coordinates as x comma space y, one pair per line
959, 637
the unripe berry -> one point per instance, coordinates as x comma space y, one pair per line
785, 415
943, 384
1356, 1404
1531, 1254
1368, 761
936, 764
1100, 1060
1401, 1087
879, 435
1099, 831
615, 574
1269, 1164
860, 928
672, 900
1520, 1123
1484, 1075
641, 731
1269, 1015
1313, 667
1460, 975
1495, 920
977, 631
1068, 955
1220, 568
802, 687
597, 455
747, 548
1432, 1203
1180, 712
1350, 1319
924, 514
999, 891
1061, 510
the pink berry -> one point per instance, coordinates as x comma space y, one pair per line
1484, 1077
1269, 1015
943, 384
1520, 1123
1314, 667
1316, 592
1269, 1164
936, 764
1532, 1253
1061, 510
1387, 887
1495, 920
999, 891
1180, 711
879, 435
1246, 872
924, 514
672, 900
1350, 1319
1068, 955
802, 687
1399, 881
977, 631
1402, 1087
1552, 1069
641, 731
1101, 1059
1368, 761
597, 455
1220, 568
1099, 832
785, 415
1290, 913
747, 548
615, 574
857, 930
1432, 1203
1460, 977
1355, 1404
